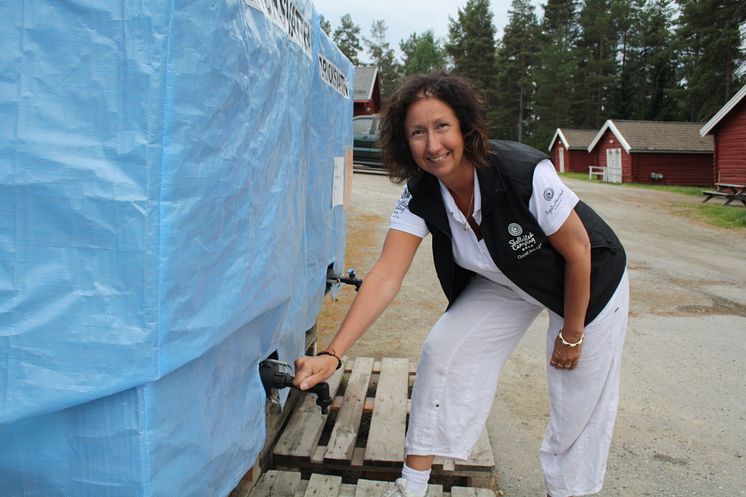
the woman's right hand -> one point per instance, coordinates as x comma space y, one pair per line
378, 290
311, 370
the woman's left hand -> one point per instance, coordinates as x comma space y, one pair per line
572, 242
564, 357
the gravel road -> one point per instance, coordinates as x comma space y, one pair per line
681, 424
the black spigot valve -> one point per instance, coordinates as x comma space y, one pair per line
276, 375
334, 279
323, 399
351, 279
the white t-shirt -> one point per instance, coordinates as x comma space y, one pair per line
551, 203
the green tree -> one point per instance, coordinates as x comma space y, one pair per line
471, 47
517, 60
652, 58
347, 38
422, 53
595, 57
382, 55
710, 41
623, 87
554, 72
326, 26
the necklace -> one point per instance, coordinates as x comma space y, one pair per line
468, 211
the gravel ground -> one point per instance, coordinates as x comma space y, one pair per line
680, 429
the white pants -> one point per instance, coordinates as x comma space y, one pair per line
460, 364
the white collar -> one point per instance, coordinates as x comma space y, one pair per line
450, 203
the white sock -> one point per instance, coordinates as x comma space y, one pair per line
416, 480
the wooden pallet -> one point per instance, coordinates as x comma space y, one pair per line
366, 428
289, 484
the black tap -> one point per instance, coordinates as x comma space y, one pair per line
275, 375
333, 279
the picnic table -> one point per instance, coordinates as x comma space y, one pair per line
728, 192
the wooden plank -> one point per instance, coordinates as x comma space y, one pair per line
301, 435
277, 484
388, 424
481, 454
300, 491
372, 488
435, 490
445, 463
318, 455
347, 490
339, 400
721, 194
342, 440
471, 492
323, 486
412, 368
358, 457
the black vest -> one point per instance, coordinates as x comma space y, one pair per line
516, 242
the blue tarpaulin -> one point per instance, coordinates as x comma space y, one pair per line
171, 176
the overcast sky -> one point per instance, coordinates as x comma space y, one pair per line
404, 17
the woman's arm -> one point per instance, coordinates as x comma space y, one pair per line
379, 288
571, 241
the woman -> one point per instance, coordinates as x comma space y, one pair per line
509, 240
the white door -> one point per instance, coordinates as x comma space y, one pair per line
562, 159
614, 165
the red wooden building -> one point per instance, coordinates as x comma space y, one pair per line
669, 153
728, 127
367, 91
569, 150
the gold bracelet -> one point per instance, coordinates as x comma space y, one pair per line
570, 344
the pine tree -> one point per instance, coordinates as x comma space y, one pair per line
517, 60
554, 74
654, 60
325, 25
471, 46
624, 86
710, 40
422, 53
595, 57
347, 38
383, 56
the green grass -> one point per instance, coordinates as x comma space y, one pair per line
687, 190
582, 176
724, 216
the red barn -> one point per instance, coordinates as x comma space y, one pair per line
569, 150
669, 153
367, 91
728, 127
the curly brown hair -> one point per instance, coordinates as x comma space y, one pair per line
458, 94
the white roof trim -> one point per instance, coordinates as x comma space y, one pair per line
609, 124
561, 137
723, 112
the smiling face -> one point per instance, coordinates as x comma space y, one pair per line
435, 139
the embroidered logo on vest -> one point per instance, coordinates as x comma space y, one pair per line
524, 244
515, 229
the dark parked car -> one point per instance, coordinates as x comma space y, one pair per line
366, 149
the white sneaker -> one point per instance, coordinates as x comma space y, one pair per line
400, 490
